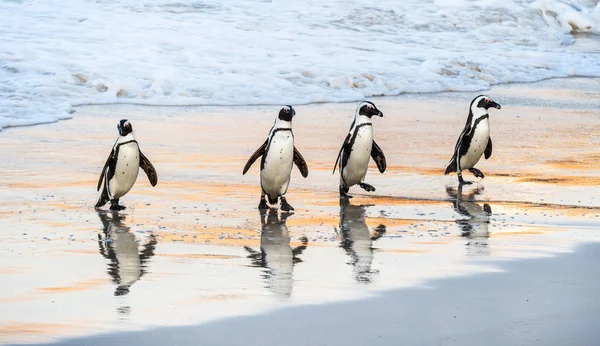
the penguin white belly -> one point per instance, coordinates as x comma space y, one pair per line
126, 170
275, 175
478, 144
356, 168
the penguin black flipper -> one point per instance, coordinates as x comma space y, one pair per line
106, 165
461, 148
103, 198
258, 153
378, 157
146, 165
300, 163
337, 161
488, 149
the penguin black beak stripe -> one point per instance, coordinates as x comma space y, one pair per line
380, 114
496, 105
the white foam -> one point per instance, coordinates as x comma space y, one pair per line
56, 54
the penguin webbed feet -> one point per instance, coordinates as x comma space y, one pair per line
344, 192
263, 204
461, 181
367, 187
477, 173
285, 206
114, 205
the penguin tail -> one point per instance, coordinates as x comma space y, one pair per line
103, 199
273, 200
451, 167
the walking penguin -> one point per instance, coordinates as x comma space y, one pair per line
278, 155
358, 147
122, 167
474, 140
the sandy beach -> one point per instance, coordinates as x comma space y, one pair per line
192, 259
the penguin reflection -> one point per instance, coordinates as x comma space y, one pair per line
276, 255
475, 227
357, 240
127, 265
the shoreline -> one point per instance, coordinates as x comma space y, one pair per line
75, 106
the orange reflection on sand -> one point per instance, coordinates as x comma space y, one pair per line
13, 270
583, 162
20, 328
75, 287
433, 242
564, 180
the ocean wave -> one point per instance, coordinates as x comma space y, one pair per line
58, 54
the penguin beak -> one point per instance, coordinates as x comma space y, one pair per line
495, 105
380, 113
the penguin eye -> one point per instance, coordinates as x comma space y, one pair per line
488, 100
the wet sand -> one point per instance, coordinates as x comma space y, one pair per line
188, 252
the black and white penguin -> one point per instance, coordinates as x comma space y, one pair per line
122, 167
474, 140
358, 147
278, 155
118, 244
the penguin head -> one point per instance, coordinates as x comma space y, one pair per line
368, 109
124, 127
287, 113
485, 102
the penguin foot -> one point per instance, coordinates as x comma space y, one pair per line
263, 205
116, 207
285, 206
367, 187
461, 181
344, 192
477, 173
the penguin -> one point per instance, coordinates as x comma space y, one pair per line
276, 255
359, 145
119, 245
357, 241
122, 167
278, 153
474, 140
475, 227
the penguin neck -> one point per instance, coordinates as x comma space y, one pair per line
477, 113
127, 138
361, 119
282, 124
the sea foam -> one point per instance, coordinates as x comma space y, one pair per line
58, 54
